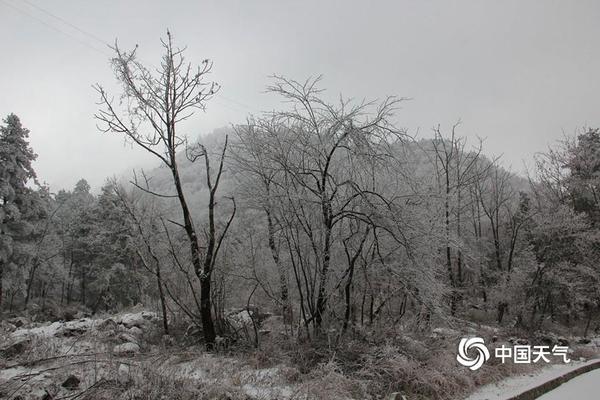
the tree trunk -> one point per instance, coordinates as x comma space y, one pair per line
201, 269
30, 283
285, 302
321, 296
163, 303
1, 281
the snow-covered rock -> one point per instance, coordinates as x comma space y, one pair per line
123, 374
126, 349
135, 331
139, 319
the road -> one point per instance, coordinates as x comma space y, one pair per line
583, 387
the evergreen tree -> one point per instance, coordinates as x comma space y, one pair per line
16, 202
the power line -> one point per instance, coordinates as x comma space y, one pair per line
64, 21
54, 28
220, 97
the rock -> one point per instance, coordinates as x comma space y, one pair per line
19, 321
75, 328
562, 341
193, 330
274, 324
14, 348
126, 349
149, 316
397, 396
444, 333
127, 338
131, 320
7, 326
47, 395
584, 341
135, 331
108, 324
167, 340
123, 374
69, 315
71, 383
521, 342
240, 319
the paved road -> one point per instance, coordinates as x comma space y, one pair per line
584, 387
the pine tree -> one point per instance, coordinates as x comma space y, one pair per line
16, 171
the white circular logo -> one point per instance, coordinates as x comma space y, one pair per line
476, 344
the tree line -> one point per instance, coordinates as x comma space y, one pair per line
326, 212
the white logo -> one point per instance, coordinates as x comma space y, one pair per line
477, 344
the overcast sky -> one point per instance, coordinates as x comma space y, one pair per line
519, 73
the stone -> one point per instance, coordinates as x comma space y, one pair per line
131, 320
562, 341
108, 324
14, 348
19, 321
135, 331
193, 330
7, 326
71, 383
127, 338
126, 349
123, 374
149, 316
167, 340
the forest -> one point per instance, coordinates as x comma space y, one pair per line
320, 239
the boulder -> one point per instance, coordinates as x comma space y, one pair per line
71, 383
19, 321
240, 319
149, 316
139, 320
123, 374
562, 341
193, 330
7, 326
108, 324
135, 331
167, 340
127, 338
75, 328
126, 349
17, 347
444, 333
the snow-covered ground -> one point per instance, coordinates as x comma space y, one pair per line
513, 386
583, 387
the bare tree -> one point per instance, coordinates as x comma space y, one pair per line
153, 105
457, 171
318, 153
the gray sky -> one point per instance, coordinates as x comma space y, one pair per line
519, 73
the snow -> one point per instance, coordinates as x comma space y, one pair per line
583, 387
42, 331
515, 385
273, 392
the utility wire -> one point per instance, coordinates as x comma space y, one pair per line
52, 27
220, 97
64, 21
